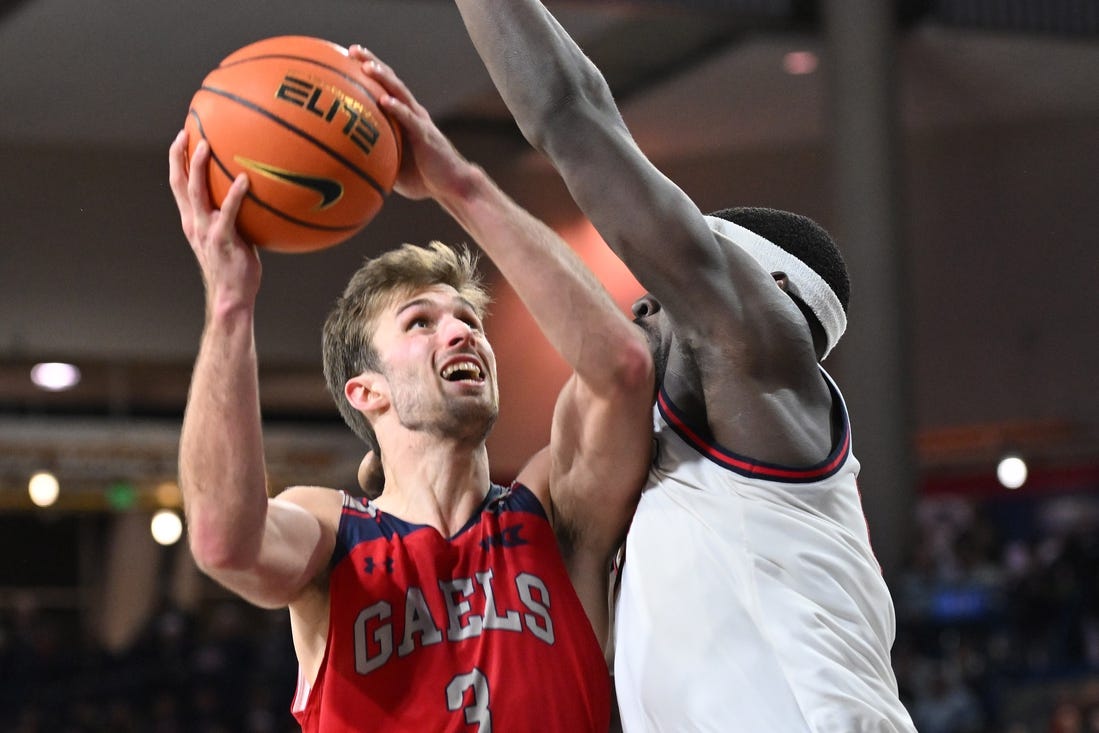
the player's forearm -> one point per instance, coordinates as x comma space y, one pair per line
565, 108
571, 307
221, 463
538, 69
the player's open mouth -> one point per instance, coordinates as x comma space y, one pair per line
463, 371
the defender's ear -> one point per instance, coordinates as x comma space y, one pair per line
367, 392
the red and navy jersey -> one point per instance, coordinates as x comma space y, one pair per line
480, 631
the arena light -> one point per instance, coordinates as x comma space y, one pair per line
798, 63
1011, 472
55, 376
166, 527
168, 495
121, 495
43, 488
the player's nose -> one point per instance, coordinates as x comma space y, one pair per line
456, 331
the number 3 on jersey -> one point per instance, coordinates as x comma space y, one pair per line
477, 712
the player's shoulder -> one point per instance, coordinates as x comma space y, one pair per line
534, 477
321, 502
516, 497
306, 495
784, 424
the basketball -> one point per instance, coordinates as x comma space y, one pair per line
296, 115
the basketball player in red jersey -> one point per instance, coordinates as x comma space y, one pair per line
445, 604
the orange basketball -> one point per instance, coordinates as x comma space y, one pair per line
300, 118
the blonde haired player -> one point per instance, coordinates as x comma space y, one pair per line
445, 604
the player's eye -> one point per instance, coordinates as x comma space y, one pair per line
471, 320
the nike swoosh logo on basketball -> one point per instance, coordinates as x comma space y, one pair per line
329, 189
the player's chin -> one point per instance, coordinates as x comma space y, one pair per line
471, 392
468, 388
474, 418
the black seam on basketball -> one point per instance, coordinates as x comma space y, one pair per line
336, 69
260, 202
300, 133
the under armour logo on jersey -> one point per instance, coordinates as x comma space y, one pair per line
507, 537
369, 565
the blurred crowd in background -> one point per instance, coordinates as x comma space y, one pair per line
998, 616
998, 632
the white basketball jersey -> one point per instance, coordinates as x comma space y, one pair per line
750, 599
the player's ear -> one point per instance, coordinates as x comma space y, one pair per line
781, 280
367, 392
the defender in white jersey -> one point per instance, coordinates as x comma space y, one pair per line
750, 598
789, 623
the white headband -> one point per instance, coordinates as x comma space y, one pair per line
803, 281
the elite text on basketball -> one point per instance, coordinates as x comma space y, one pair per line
333, 105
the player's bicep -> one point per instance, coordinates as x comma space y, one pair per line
600, 451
